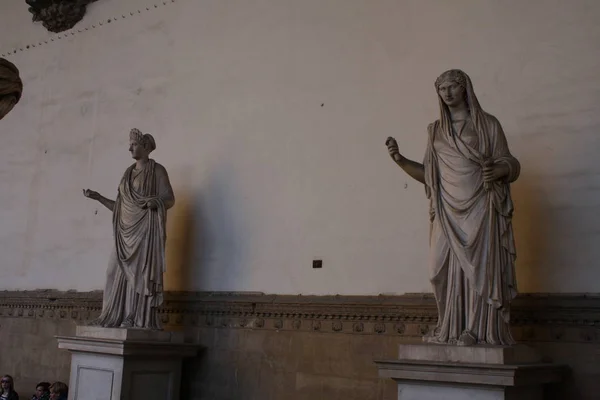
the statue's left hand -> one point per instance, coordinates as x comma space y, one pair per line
152, 204
493, 172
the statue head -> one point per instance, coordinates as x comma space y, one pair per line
140, 144
451, 86
11, 86
460, 88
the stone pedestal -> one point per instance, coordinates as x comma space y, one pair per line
133, 364
435, 371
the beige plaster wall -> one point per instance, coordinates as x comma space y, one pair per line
271, 116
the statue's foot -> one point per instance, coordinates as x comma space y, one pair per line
467, 339
430, 339
127, 323
432, 336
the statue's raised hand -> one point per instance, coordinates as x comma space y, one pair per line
91, 194
392, 146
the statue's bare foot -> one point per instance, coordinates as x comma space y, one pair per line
467, 339
127, 323
432, 336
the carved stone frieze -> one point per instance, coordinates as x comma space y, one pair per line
537, 318
58, 15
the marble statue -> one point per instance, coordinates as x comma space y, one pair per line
11, 86
467, 171
134, 280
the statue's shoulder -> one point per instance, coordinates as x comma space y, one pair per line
494, 126
433, 126
159, 169
491, 119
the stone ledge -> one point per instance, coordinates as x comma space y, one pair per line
126, 347
472, 373
129, 335
480, 354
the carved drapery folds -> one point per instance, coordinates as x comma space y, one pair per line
11, 86
58, 15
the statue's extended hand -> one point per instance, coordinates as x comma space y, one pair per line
392, 146
91, 194
493, 172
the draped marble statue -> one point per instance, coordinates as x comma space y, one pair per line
11, 86
467, 171
134, 281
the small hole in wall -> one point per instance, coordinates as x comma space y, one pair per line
317, 263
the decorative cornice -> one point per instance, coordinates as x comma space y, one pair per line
535, 317
58, 15
73, 32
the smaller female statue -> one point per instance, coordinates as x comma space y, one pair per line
134, 282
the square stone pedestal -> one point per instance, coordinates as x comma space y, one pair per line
132, 364
436, 371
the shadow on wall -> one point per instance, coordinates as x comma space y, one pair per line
180, 243
532, 222
204, 227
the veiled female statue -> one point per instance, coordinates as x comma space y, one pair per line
134, 281
467, 171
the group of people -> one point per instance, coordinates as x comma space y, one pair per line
43, 390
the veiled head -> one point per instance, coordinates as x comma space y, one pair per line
140, 144
452, 75
451, 86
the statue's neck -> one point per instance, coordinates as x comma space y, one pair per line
459, 113
141, 163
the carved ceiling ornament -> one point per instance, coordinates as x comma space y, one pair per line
58, 15
11, 86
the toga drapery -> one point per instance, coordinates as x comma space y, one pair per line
472, 250
134, 283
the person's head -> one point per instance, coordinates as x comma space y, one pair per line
7, 383
58, 390
42, 388
451, 86
140, 145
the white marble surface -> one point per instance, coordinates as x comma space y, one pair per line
430, 371
129, 334
518, 354
409, 391
132, 364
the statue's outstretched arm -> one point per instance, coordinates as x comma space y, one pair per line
412, 168
110, 204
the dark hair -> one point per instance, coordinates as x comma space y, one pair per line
11, 386
59, 388
44, 385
